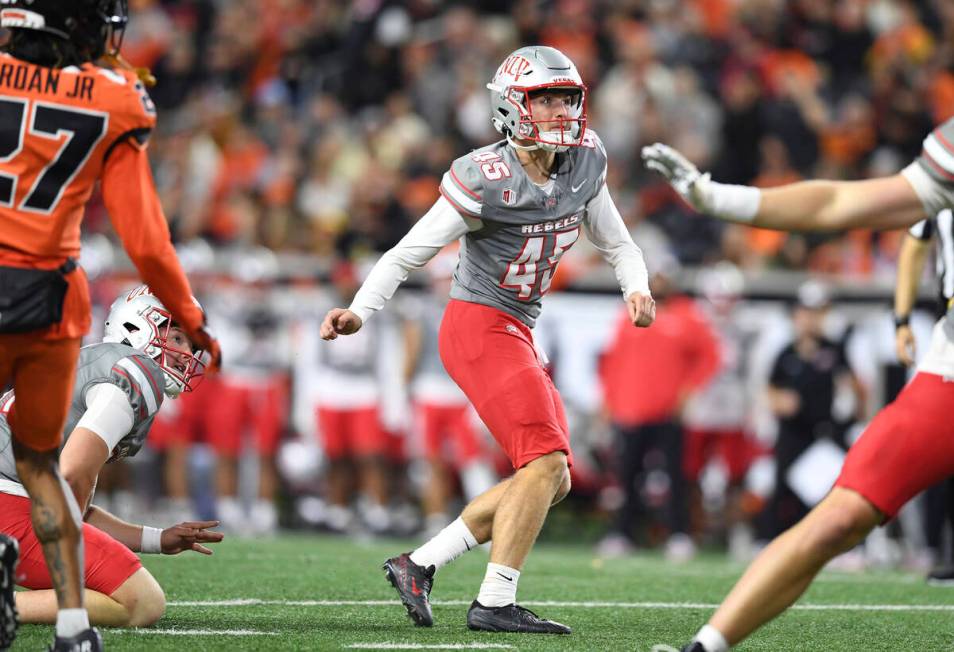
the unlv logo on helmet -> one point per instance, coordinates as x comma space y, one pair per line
514, 65
529, 72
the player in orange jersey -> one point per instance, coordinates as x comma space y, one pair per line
66, 123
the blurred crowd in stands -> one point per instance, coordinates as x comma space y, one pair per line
318, 130
324, 126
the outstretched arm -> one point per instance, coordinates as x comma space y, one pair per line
440, 226
882, 203
190, 535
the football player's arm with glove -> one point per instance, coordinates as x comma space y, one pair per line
607, 232
440, 226
882, 203
134, 209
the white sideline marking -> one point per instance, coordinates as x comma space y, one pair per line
429, 646
550, 603
196, 632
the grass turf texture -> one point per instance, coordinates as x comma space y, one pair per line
311, 568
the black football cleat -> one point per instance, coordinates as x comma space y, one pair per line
695, 646
511, 618
87, 640
413, 584
9, 553
943, 576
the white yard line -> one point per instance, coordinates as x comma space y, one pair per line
195, 632
243, 602
429, 646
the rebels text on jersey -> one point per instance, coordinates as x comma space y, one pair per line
57, 129
509, 262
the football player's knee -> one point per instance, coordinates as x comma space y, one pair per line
148, 607
30, 462
838, 531
563, 489
553, 465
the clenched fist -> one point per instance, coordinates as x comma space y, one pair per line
642, 309
339, 321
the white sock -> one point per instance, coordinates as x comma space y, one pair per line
499, 587
712, 639
445, 546
70, 622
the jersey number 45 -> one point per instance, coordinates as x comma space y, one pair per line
530, 273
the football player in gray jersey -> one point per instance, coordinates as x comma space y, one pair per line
908, 446
516, 205
119, 385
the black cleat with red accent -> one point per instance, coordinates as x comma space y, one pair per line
413, 584
511, 618
9, 552
87, 640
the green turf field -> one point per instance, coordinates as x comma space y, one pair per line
317, 593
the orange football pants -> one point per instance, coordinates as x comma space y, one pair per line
42, 372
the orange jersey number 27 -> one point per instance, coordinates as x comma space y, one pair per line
78, 131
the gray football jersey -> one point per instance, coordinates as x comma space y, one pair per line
137, 375
937, 159
509, 262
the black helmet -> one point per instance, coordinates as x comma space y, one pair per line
87, 24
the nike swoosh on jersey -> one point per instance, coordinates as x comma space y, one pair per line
575, 188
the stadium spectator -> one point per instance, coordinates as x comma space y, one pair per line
648, 376
720, 446
801, 391
344, 385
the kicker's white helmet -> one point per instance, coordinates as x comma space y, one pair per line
138, 319
528, 70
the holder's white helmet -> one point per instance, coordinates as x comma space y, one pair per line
139, 320
528, 70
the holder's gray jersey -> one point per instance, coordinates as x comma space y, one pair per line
509, 262
137, 375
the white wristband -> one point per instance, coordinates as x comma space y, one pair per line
734, 203
151, 540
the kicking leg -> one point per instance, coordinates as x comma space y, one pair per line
782, 572
517, 522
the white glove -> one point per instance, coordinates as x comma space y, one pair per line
729, 202
681, 174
